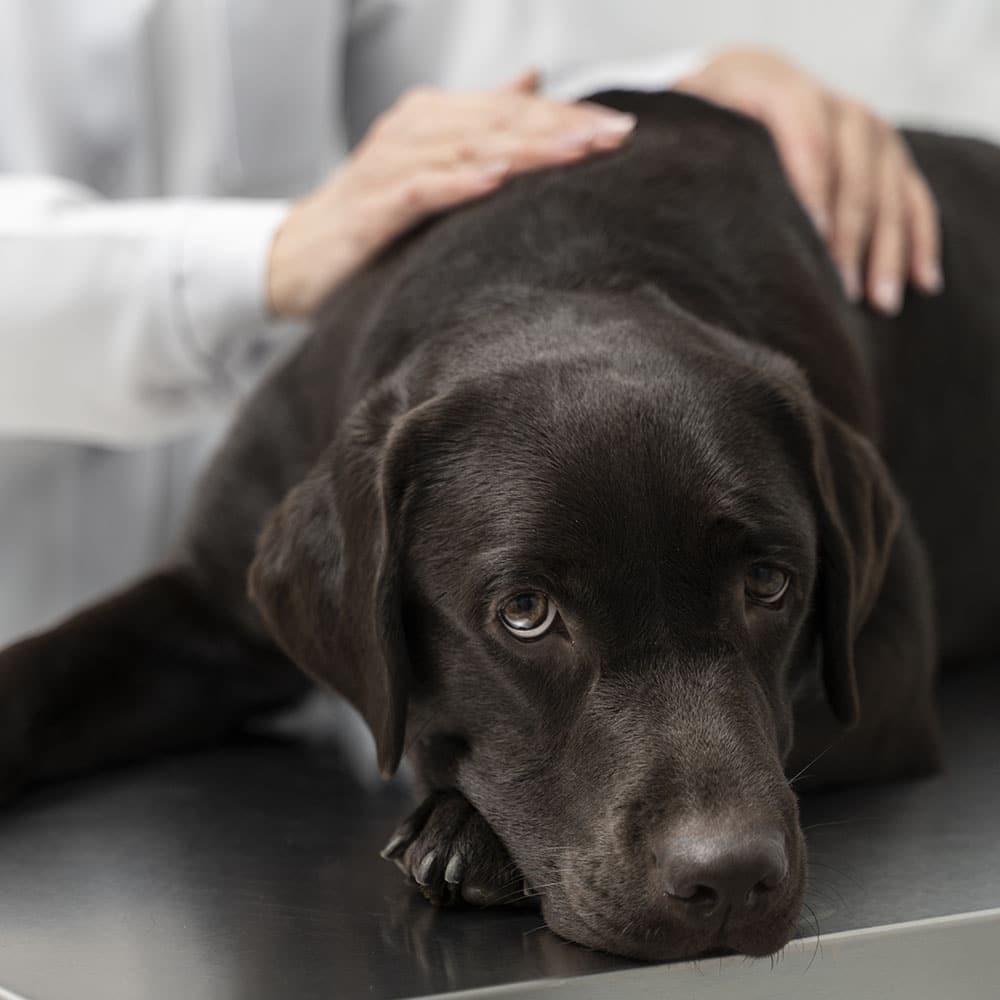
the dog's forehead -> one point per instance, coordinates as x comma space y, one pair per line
574, 460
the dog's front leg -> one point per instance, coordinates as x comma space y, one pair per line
158, 667
453, 856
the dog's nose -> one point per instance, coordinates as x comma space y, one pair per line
706, 870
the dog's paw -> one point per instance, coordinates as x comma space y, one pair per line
453, 856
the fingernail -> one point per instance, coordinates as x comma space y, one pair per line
852, 285
494, 169
887, 295
931, 279
614, 125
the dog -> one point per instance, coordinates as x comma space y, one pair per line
600, 501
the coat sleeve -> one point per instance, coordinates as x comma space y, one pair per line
128, 322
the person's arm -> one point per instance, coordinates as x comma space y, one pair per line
127, 322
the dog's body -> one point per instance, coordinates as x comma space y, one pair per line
632, 390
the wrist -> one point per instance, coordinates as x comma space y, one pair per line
288, 279
280, 292
312, 252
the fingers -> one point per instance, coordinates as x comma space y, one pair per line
530, 131
536, 144
905, 241
433, 190
925, 235
885, 228
854, 200
435, 129
887, 255
802, 125
443, 149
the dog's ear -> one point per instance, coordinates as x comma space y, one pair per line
859, 517
326, 577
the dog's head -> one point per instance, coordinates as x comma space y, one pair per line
591, 587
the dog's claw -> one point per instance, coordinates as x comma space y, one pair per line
422, 875
396, 845
454, 870
452, 854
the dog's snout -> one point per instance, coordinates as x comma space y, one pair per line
706, 870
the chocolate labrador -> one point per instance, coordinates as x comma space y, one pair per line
599, 500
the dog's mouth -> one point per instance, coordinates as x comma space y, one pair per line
668, 942
657, 943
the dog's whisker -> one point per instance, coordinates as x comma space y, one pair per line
802, 772
832, 822
825, 895
511, 889
534, 930
817, 863
509, 892
823, 883
818, 948
503, 900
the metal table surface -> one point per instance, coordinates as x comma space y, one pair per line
253, 872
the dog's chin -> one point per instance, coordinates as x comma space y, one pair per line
663, 943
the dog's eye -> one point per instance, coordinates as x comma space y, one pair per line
528, 615
766, 584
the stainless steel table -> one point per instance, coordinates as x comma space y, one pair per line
253, 872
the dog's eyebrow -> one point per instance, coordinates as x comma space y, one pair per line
763, 526
501, 568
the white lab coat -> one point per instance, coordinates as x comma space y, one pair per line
147, 149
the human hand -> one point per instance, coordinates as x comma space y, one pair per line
431, 151
851, 170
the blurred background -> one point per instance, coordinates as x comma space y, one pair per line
916, 61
